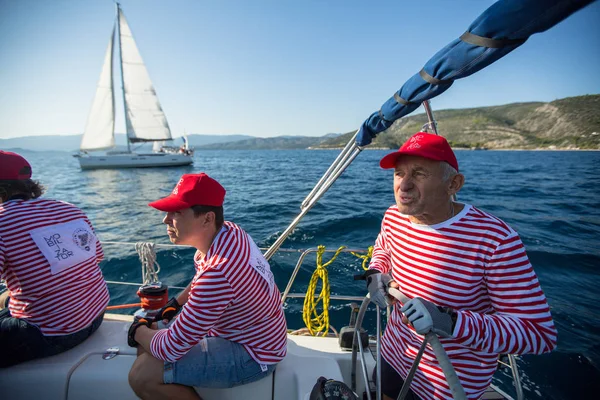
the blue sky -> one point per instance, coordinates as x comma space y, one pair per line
270, 67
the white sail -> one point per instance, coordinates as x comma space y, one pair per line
98, 134
144, 116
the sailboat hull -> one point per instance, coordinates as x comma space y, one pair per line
133, 160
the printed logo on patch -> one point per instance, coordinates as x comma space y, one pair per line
81, 237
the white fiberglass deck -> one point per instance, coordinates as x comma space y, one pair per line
82, 373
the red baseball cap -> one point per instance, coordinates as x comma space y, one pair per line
192, 190
422, 144
13, 166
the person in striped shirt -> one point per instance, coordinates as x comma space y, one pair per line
49, 257
230, 328
466, 272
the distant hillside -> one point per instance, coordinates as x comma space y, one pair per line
202, 140
570, 123
273, 143
71, 143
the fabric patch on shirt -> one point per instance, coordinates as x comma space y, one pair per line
260, 264
65, 245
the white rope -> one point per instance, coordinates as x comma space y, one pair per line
150, 268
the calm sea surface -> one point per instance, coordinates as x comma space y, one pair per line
551, 198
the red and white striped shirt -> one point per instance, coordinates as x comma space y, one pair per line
477, 265
230, 299
54, 283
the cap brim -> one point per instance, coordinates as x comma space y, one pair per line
389, 161
169, 203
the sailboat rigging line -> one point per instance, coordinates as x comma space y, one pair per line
432, 123
284, 250
139, 284
150, 267
336, 174
350, 145
327, 182
135, 243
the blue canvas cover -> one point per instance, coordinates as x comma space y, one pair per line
508, 23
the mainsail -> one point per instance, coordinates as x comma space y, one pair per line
99, 130
144, 116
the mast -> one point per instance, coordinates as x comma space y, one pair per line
122, 80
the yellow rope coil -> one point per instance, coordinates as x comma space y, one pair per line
365, 257
314, 321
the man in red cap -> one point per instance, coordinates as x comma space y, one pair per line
466, 272
49, 258
230, 328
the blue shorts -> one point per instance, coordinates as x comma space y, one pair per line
216, 363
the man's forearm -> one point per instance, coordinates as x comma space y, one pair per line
183, 296
144, 335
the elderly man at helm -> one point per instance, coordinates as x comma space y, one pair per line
465, 270
230, 328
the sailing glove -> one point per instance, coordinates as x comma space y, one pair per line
169, 311
131, 334
377, 284
426, 317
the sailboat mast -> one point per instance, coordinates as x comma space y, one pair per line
122, 79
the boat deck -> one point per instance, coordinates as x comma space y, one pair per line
83, 372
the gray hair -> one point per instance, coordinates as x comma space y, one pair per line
448, 171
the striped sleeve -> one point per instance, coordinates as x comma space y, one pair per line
381, 259
2, 258
521, 322
209, 297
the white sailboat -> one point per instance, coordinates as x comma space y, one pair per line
144, 118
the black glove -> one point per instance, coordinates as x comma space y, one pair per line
131, 334
169, 311
377, 284
426, 316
